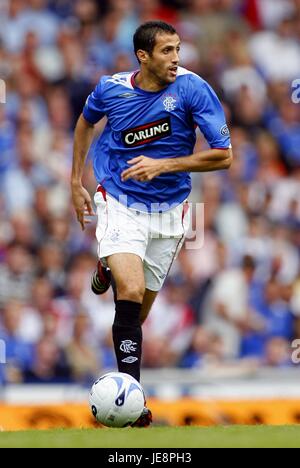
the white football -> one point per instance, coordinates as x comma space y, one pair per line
117, 399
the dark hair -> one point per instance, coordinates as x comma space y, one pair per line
145, 36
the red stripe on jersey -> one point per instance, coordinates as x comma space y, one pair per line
132, 79
148, 125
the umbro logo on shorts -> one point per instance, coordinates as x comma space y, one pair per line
147, 133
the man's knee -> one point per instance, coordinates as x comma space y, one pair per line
130, 292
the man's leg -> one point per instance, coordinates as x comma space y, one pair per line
148, 301
162, 251
128, 274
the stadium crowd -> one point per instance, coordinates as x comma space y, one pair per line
235, 300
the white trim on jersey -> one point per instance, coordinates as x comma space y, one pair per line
183, 71
123, 79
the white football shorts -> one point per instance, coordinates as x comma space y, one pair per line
155, 237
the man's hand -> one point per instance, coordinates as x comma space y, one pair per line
143, 169
83, 204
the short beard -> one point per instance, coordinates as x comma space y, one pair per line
162, 81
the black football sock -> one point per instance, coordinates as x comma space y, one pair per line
127, 336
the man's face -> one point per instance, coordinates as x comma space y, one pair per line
164, 60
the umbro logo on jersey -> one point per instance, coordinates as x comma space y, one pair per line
127, 95
147, 133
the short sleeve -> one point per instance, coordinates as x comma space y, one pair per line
93, 110
208, 114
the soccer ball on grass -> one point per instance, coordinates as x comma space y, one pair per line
117, 400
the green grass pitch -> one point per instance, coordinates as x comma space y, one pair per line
158, 437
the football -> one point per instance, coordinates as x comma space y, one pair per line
117, 400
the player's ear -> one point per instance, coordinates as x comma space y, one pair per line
142, 56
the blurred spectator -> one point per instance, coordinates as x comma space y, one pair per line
26, 176
22, 20
16, 274
38, 312
278, 353
18, 352
277, 53
277, 318
51, 263
277, 312
206, 349
228, 310
81, 354
285, 127
273, 11
48, 365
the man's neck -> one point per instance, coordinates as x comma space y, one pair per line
147, 82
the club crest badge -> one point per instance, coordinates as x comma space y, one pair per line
169, 102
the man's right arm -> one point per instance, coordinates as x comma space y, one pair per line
83, 138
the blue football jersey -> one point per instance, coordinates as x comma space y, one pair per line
155, 124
